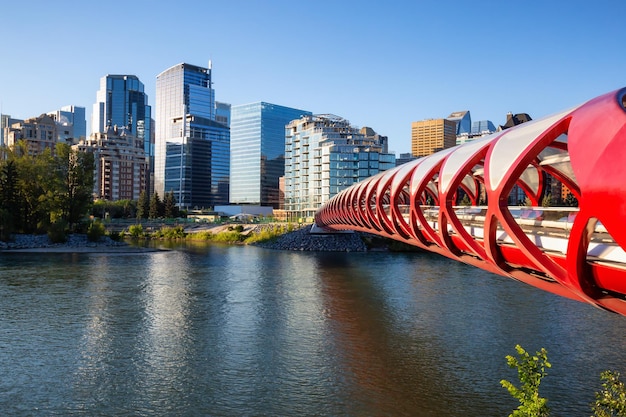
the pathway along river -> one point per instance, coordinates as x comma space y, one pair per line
244, 331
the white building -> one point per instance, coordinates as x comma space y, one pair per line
324, 155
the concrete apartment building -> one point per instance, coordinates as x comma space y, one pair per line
39, 133
121, 164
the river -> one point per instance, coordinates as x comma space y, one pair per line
241, 331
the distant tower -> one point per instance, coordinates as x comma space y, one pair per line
192, 149
432, 135
257, 152
463, 122
71, 123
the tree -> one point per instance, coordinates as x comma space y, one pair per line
169, 205
570, 200
75, 182
143, 206
35, 179
9, 199
156, 207
530, 369
611, 401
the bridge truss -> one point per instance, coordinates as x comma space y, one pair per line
581, 257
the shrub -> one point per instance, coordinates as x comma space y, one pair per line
227, 237
266, 235
200, 236
115, 236
170, 233
57, 232
135, 230
95, 231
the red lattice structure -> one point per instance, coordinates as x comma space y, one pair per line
584, 148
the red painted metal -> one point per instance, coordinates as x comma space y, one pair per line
592, 136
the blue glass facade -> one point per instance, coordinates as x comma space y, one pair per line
121, 101
192, 152
258, 152
483, 127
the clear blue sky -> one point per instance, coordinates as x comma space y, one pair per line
377, 64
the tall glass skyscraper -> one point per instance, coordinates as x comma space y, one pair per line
192, 153
121, 102
257, 151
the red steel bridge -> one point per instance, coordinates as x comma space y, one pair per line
577, 253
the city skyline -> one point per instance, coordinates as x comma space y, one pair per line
381, 67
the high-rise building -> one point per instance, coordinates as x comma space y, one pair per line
257, 152
122, 102
463, 122
121, 164
192, 149
222, 113
482, 128
324, 155
432, 135
71, 123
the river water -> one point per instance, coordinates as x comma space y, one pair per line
243, 331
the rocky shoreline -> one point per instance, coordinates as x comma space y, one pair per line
74, 243
303, 240
297, 240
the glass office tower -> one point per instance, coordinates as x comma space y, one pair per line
122, 102
192, 149
257, 151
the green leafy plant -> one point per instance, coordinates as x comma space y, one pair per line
135, 230
530, 370
170, 233
611, 400
95, 231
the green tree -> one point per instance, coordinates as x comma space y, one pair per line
530, 370
570, 200
156, 207
170, 210
611, 401
36, 176
465, 201
75, 183
143, 206
9, 199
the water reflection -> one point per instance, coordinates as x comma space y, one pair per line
229, 331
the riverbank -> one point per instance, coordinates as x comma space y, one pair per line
303, 240
75, 243
296, 240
